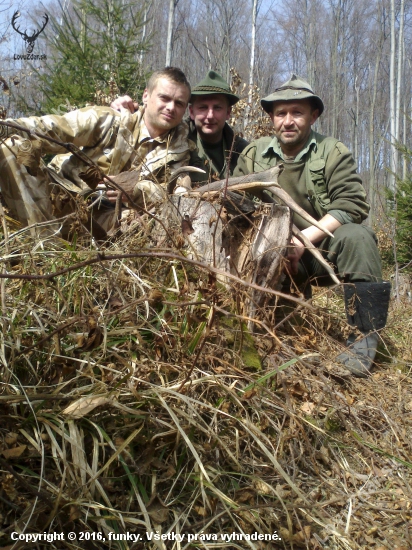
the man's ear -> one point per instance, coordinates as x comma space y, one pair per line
192, 116
145, 97
315, 116
229, 112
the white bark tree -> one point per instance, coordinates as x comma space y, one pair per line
169, 42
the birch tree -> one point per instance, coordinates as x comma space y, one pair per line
171, 20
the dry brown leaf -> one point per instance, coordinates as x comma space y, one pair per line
157, 511
308, 407
75, 513
245, 495
15, 452
84, 405
262, 487
187, 227
170, 472
11, 438
298, 538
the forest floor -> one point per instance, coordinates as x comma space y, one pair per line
134, 401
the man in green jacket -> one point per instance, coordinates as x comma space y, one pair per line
210, 107
320, 175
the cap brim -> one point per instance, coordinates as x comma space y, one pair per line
290, 95
231, 97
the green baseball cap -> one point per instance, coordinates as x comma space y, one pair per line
294, 89
213, 83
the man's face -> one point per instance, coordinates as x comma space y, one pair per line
292, 122
165, 106
209, 113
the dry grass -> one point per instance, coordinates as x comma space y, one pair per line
126, 406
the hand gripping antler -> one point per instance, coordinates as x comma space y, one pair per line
255, 184
30, 40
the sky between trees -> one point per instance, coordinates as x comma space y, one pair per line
355, 53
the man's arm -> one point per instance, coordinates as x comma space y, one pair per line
124, 102
82, 127
246, 162
344, 184
314, 235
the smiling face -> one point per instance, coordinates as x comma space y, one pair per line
165, 106
292, 122
209, 113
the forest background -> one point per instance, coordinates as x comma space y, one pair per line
356, 55
131, 397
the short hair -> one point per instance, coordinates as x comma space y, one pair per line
171, 73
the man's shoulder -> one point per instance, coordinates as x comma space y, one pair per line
181, 138
239, 143
261, 143
328, 144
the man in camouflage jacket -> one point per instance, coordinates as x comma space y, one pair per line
152, 141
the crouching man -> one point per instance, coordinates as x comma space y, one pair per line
320, 175
153, 142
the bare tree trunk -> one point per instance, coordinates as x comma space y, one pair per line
147, 7
252, 62
400, 72
172, 6
335, 66
392, 92
356, 124
372, 181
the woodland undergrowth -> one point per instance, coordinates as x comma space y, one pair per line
135, 399
127, 406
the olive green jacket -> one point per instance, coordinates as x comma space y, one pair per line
334, 166
200, 158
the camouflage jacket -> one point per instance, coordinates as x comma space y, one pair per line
115, 141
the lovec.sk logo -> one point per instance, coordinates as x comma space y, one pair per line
30, 39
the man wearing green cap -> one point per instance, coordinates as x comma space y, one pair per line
210, 107
320, 174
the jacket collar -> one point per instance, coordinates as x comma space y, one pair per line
275, 148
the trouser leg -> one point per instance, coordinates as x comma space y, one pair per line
355, 256
27, 196
352, 251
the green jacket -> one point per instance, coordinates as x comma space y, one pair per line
321, 179
200, 159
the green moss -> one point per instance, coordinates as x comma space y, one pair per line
239, 339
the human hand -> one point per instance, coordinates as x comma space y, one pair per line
124, 102
110, 194
295, 252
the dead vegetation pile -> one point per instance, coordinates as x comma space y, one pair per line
134, 401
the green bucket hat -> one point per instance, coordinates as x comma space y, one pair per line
213, 83
294, 89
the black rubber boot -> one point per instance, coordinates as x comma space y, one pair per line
367, 307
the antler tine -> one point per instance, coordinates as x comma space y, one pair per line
287, 199
36, 34
16, 15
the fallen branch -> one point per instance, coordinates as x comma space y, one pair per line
165, 255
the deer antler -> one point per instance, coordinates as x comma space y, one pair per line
29, 39
16, 15
36, 34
